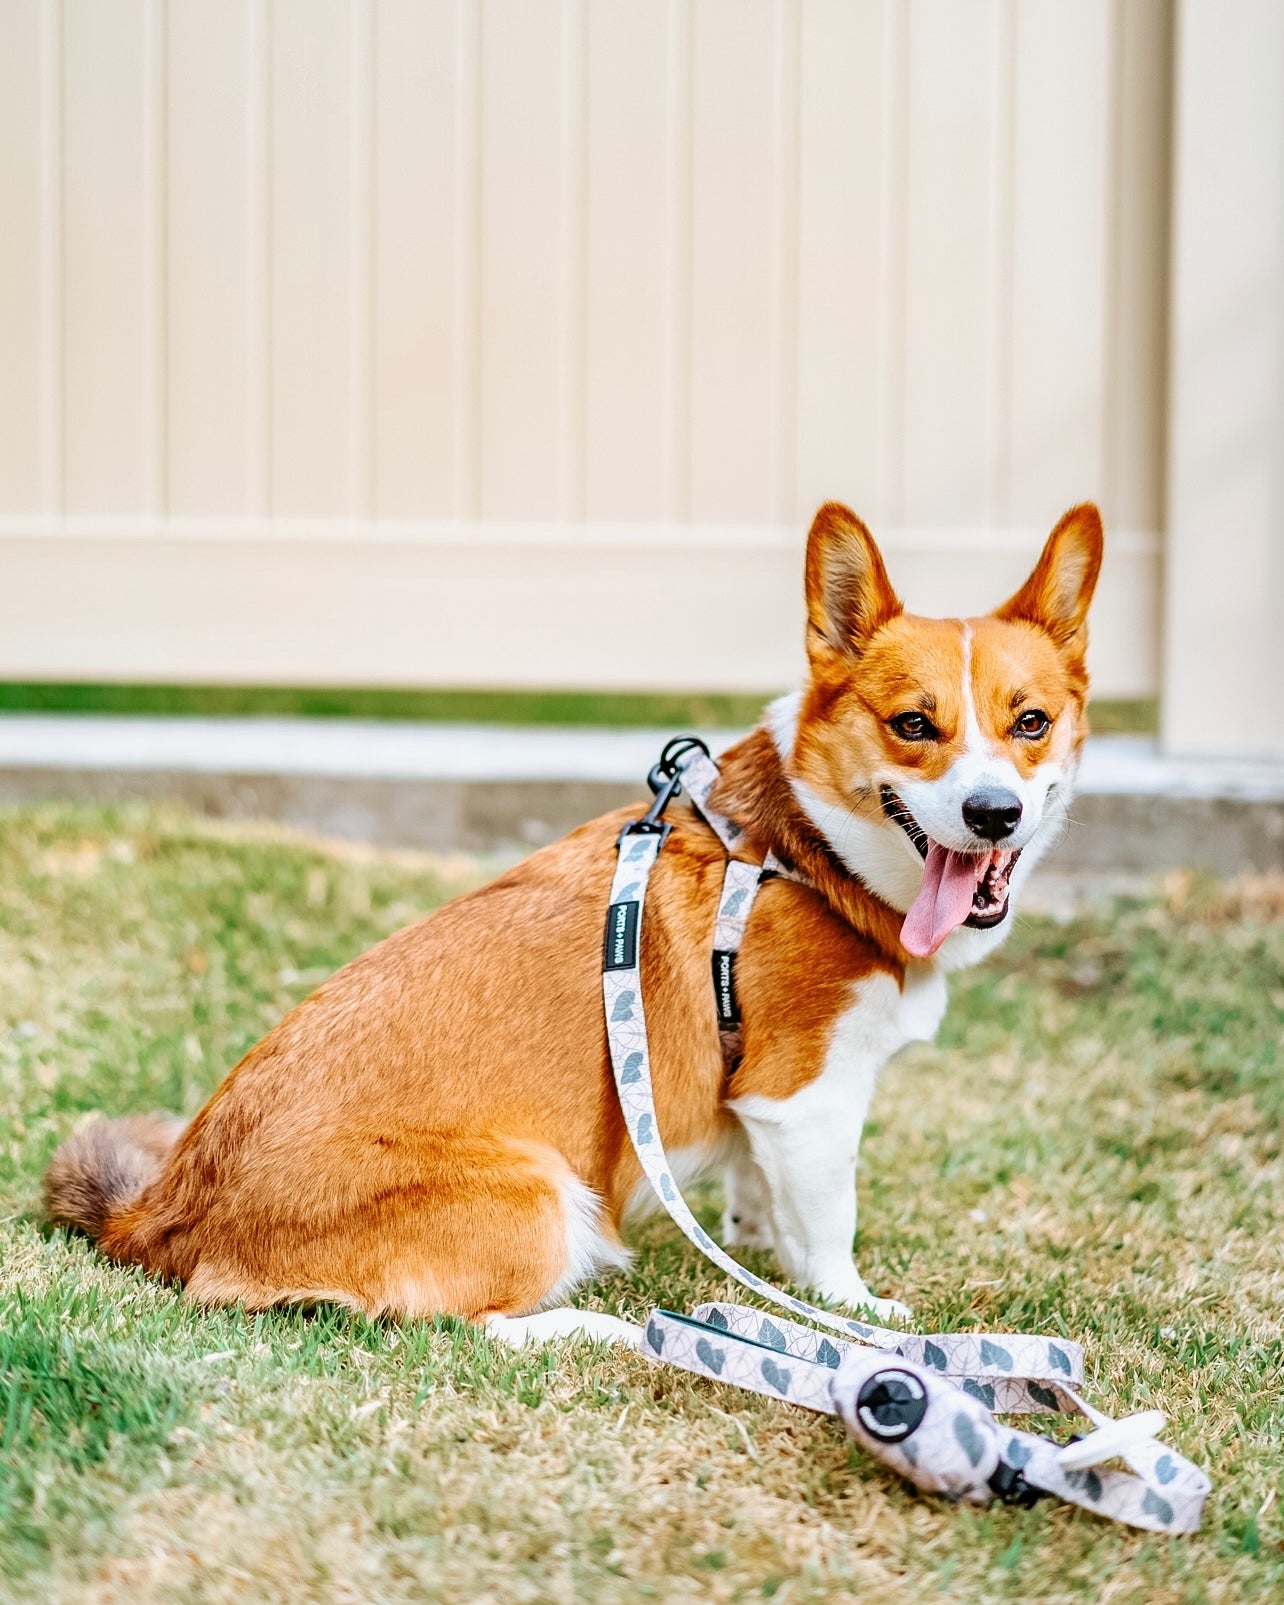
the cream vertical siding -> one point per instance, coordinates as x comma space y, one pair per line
439, 341
1223, 686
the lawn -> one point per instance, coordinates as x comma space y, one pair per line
1093, 1146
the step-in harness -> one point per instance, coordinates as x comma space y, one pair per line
925, 1405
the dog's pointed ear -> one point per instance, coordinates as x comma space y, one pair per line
1057, 594
848, 593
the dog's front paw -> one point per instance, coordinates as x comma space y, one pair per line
883, 1309
853, 1293
745, 1229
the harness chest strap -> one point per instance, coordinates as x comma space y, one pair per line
1012, 1373
741, 883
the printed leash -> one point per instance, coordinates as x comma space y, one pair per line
931, 1413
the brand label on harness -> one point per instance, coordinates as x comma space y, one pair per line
621, 937
724, 987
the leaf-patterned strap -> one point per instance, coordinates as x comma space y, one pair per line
950, 1443
631, 1065
699, 777
1011, 1373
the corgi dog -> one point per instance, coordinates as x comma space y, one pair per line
436, 1129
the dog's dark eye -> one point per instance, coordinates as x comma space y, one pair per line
914, 727
1032, 724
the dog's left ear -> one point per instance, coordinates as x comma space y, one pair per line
1057, 594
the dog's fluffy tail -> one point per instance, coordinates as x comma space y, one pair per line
104, 1166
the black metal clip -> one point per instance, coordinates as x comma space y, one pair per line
665, 781
1009, 1485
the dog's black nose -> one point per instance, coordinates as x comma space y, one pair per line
992, 813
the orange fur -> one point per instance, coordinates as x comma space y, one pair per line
404, 1139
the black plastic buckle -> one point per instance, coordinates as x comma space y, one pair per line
665, 781
1009, 1485
671, 757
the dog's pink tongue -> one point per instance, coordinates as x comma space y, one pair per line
944, 900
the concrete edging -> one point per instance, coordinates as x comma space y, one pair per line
478, 788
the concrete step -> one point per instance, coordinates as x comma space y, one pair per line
485, 788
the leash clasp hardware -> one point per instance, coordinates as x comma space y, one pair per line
1010, 1487
665, 781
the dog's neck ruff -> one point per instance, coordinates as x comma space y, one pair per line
924, 1404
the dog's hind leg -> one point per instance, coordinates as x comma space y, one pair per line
439, 1224
588, 1249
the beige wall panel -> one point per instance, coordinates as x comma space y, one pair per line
212, 360
417, 257
645, 279
394, 605
1061, 217
950, 260
732, 247
312, 303
22, 265
963, 572
106, 233
627, 297
522, 261
1137, 354
844, 106
1223, 686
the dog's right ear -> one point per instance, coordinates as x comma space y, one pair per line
849, 596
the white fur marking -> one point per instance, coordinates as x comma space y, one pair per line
588, 1249
973, 739
746, 1219
806, 1146
781, 718
516, 1331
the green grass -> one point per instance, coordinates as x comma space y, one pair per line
1092, 1147
662, 710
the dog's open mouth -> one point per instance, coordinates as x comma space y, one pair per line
968, 889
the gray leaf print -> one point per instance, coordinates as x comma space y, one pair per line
994, 1354
971, 1440
632, 1070
715, 1359
776, 1375
1060, 1359
770, 1334
623, 1009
